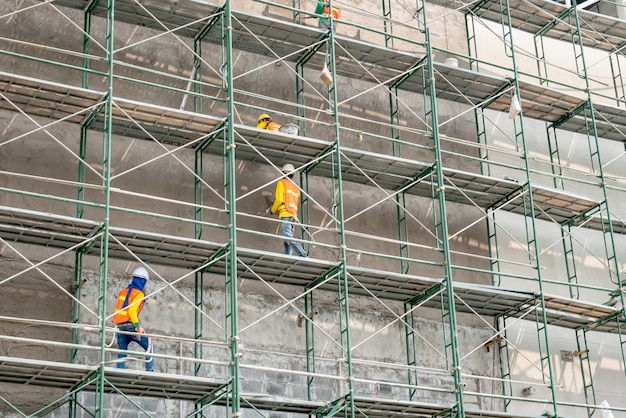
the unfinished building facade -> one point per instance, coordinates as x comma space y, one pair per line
462, 204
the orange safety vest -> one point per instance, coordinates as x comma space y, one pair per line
336, 12
292, 198
121, 315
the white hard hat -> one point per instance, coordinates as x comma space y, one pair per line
142, 273
288, 168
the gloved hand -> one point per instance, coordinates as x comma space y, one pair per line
268, 210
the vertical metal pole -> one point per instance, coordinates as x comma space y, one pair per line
78, 258
494, 252
198, 319
300, 85
85, 84
297, 15
305, 208
411, 348
309, 310
529, 214
507, 30
300, 97
78, 269
403, 232
232, 214
618, 79
502, 344
472, 47
198, 191
87, 42
586, 369
620, 331
596, 162
197, 72
542, 66
106, 168
394, 109
453, 352
343, 274
82, 151
387, 26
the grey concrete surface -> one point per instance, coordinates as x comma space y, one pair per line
146, 179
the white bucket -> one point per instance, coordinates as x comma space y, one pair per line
290, 129
452, 62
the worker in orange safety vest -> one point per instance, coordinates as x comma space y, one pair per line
286, 200
130, 302
265, 122
325, 11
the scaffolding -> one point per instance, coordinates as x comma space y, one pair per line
129, 139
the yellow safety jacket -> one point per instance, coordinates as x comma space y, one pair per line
270, 126
131, 312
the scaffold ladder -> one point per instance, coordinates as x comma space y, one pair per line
403, 232
585, 369
470, 32
502, 344
565, 230
618, 80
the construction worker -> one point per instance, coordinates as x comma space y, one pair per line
130, 301
286, 200
324, 12
265, 122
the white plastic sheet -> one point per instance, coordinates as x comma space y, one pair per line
515, 107
605, 412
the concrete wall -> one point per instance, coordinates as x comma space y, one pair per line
270, 336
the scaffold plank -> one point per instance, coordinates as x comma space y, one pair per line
601, 31
597, 223
173, 126
285, 40
133, 383
392, 408
575, 314
610, 123
52, 100
42, 228
191, 388
274, 403
359, 60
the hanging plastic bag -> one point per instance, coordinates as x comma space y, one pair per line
326, 76
515, 107
606, 413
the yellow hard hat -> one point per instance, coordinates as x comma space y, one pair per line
264, 116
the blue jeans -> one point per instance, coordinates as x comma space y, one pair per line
325, 25
124, 339
286, 230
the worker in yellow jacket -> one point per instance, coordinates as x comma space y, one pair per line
130, 302
286, 200
265, 122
